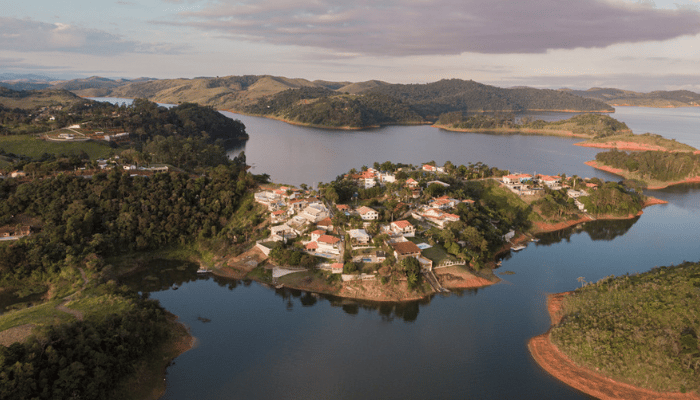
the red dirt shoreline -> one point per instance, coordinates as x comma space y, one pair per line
557, 364
620, 172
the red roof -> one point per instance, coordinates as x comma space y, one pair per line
318, 232
325, 222
364, 210
328, 239
278, 212
405, 248
402, 224
312, 246
337, 266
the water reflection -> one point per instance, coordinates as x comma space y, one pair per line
597, 230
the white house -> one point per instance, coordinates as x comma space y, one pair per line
403, 227
439, 217
315, 212
359, 236
367, 214
328, 244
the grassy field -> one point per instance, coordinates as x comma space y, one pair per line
41, 315
639, 329
31, 146
645, 139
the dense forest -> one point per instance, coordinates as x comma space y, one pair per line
112, 213
593, 125
654, 165
641, 329
83, 223
417, 103
323, 107
83, 359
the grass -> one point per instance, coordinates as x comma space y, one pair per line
32, 146
99, 307
640, 329
647, 138
40, 315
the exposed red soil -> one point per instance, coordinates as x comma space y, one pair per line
541, 227
548, 356
596, 165
617, 171
628, 146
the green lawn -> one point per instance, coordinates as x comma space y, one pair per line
32, 146
43, 314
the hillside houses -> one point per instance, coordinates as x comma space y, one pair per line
403, 228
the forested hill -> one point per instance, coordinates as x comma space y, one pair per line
29, 99
387, 103
433, 99
659, 98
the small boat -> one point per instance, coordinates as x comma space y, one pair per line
175, 287
535, 240
518, 247
203, 270
280, 286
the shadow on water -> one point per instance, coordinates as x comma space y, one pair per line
597, 230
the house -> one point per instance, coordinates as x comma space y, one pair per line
439, 217
405, 249
443, 203
315, 212
281, 233
412, 183
549, 181
367, 214
403, 227
429, 168
317, 234
326, 224
359, 236
516, 178
328, 244
298, 205
387, 178
337, 268
575, 194
278, 216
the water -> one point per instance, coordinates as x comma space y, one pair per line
294, 154
263, 343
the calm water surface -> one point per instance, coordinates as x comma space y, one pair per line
261, 343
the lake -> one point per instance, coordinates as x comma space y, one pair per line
256, 342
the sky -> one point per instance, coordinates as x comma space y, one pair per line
635, 45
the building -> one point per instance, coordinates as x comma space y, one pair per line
359, 236
328, 244
326, 224
337, 268
429, 168
439, 217
403, 227
315, 212
405, 249
367, 214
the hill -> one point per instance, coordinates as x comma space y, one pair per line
30, 99
245, 93
639, 329
659, 98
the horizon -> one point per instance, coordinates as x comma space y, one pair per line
632, 45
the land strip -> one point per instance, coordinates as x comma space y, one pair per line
557, 364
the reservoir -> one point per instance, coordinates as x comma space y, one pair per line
255, 342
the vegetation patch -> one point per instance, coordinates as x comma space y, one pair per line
640, 329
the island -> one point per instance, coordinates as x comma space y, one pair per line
651, 169
633, 336
399, 232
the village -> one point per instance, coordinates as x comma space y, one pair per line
415, 218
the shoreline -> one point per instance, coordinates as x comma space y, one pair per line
631, 146
560, 366
520, 131
622, 173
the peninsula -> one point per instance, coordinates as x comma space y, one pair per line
651, 169
627, 337
399, 232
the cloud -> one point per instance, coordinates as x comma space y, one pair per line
28, 35
440, 27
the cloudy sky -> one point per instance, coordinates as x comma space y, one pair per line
637, 45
